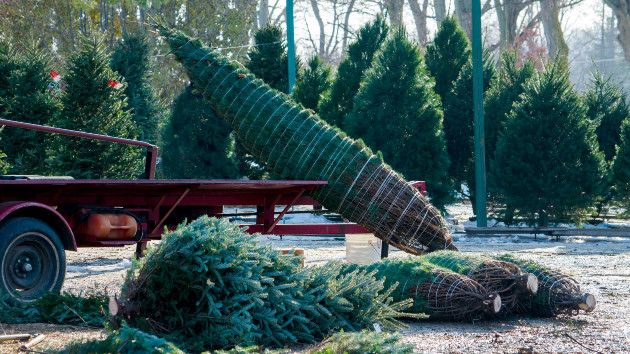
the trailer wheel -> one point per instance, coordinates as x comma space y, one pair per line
32, 259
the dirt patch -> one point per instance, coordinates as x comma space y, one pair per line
602, 266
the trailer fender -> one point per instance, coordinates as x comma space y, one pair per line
44, 213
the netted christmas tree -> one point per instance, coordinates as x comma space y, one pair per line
92, 105
296, 144
209, 285
447, 55
558, 293
504, 278
27, 98
313, 84
397, 113
435, 291
340, 101
132, 59
547, 164
458, 123
197, 143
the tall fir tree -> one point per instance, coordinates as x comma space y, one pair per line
91, 105
8, 63
397, 112
313, 84
132, 60
504, 91
269, 60
458, 123
351, 70
621, 165
607, 107
29, 99
448, 54
547, 163
197, 142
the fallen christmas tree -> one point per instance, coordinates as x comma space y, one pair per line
209, 285
557, 293
435, 291
296, 144
503, 277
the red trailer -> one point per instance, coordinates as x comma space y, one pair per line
42, 217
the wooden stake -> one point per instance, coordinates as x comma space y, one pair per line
8, 337
33, 342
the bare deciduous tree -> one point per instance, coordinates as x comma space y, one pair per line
621, 8
550, 16
420, 18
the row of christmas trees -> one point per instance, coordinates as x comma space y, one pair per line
552, 153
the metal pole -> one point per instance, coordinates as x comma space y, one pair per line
480, 141
290, 44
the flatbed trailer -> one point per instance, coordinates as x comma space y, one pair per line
42, 217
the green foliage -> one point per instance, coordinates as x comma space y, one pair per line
397, 113
197, 142
364, 342
504, 90
268, 59
458, 262
547, 163
57, 308
351, 70
27, 98
125, 340
459, 122
607, 108
621, 165
313, 85
91, 105
448, 54
132, 60
209, 285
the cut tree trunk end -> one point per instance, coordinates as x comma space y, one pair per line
588, 303
527, 284
492, 303
123, 308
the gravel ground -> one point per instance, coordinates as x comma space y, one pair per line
601, 265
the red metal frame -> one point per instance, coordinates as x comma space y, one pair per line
164, 203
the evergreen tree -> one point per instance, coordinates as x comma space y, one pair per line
621, 164
28, 99
132, 60
607, 107
8, 63
397, 112
458, 123
350, 72
313, 85
448, 54
91, 105
504, 90
196, 141
547, 163
268, 59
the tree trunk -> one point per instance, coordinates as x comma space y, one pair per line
553, 30
463, 11
440, 10
322, 34
420, 19
346, 28
507, 14
621, 8
395, 10
263, 14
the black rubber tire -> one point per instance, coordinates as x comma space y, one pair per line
32, 259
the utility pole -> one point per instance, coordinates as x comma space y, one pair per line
480, 140
290, 44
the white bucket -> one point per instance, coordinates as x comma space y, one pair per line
362, 248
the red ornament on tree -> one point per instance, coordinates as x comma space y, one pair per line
116, 85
